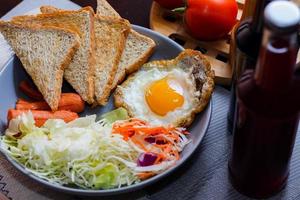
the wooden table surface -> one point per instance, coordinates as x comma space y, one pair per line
136, 11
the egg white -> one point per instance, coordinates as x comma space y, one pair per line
134, 95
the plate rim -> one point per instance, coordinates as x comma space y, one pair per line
125, 189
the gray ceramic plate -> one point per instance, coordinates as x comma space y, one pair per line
13, 73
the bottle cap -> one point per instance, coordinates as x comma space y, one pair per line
283, 16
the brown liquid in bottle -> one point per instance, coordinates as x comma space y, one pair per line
245, 50
267, 117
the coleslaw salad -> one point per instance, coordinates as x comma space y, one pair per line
92, 154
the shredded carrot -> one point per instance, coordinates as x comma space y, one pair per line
145, 175
176, 155
139, 143
160, 157
138, 131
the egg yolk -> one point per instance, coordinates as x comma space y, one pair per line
164, 95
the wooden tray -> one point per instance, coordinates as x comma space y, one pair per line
170, 25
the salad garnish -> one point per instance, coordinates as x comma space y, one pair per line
91, 154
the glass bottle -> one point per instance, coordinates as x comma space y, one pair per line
247, 42
268, 105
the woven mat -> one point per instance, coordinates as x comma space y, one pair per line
204, 176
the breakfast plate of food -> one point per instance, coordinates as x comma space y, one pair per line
92, 105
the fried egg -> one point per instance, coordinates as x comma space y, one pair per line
168, 92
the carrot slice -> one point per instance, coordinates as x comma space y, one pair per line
25, 105
41, 116
30, 91
68, 101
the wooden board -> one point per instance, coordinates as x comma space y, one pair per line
217, 52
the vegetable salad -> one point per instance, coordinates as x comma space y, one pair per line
90, 153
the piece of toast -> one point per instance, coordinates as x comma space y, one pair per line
80, 73
105, 9
138, 48
111, 34
189, 61
45, 52
110, 37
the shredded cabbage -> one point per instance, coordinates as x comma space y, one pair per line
83, 152
75, 153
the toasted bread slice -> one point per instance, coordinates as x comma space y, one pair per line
105, 9
190, 62
138, 48
80, 73
110, 36
45, 52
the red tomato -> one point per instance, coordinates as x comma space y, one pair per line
210, 19
170, 4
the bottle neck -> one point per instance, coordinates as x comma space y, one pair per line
249, 33
276, 63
